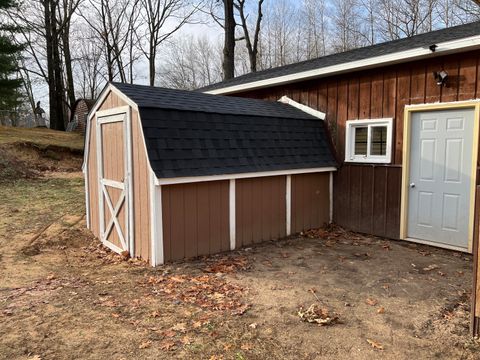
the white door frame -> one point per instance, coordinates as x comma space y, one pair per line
409, 110
104, 117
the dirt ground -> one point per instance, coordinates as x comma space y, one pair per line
62, 296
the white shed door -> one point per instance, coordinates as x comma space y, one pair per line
440, 176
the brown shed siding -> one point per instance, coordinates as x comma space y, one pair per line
140, 167
310, 201
195, 219
377, 93
260, 209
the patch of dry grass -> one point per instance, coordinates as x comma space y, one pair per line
41, 137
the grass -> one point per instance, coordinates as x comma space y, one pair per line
41, 137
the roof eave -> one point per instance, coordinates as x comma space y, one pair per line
443, 48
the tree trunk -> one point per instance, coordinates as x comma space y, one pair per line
51, 76
68, 66
229, 45
151, 63
57, 70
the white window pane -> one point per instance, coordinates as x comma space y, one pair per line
361, 140
378, 142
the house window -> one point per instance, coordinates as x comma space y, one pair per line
369, 141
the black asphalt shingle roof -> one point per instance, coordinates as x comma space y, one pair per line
193, 134
422, 40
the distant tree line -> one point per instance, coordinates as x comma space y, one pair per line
74, 47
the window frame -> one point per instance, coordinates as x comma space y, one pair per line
351, 126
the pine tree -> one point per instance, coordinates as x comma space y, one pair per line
10, 86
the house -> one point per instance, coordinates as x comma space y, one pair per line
174, 174
79, 115
404, 120
196, 172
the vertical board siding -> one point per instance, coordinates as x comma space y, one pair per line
140, 174
310, 201
195, 219
260, 212
366, 197
372, 193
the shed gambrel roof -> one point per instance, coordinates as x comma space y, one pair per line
391, 47
193, 134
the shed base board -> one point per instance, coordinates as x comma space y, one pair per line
439, 245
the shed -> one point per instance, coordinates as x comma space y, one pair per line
79, 115
404, 120
173, 174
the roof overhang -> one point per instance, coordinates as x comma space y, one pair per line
443, 48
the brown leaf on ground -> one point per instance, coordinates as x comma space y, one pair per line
155, 314
241, 309
375, 344
145, 344
216, 357
430, 267
247, 346
381, 310
227, 264
197, 324
167, 345
186, 340
169, 333
317, 315
371, 302
180, 327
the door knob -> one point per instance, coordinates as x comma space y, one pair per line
412, 185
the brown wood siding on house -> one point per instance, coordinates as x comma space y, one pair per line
141, 183
195, 219
260, 209
310, 202
376, 93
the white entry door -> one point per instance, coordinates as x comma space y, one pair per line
440, 177
114, 181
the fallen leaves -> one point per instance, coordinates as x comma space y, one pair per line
227, 264
317, 315
180, 327
207, 291
371, 302
430, 267
247, 347
375, 344
167, 345
145, 344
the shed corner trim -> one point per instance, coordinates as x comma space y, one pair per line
306, 109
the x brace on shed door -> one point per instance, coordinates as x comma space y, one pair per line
114, 155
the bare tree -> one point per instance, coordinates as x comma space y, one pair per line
158, 16
252, 45
190, 63
314, 14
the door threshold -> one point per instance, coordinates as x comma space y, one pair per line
439, 245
